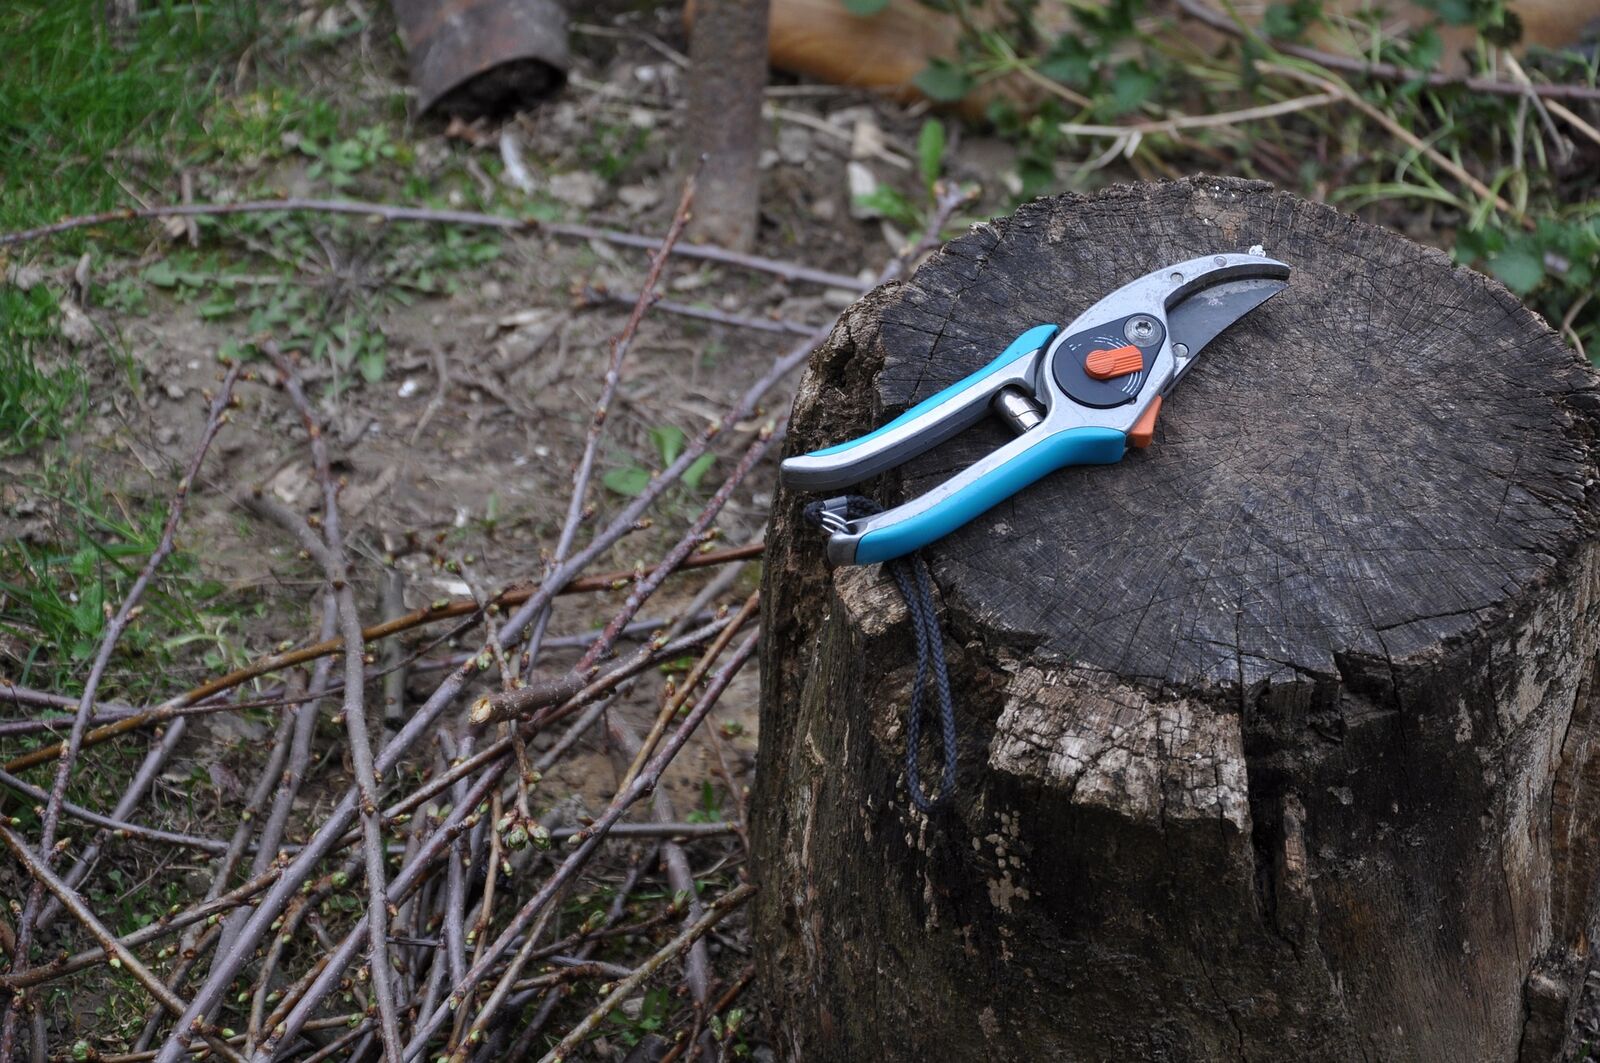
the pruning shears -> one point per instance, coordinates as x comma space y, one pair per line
1079, 395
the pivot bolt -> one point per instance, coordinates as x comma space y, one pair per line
1140, 329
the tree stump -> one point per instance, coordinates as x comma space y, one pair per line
1278, 739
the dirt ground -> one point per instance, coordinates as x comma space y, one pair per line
457, 453
457, 460
464, 449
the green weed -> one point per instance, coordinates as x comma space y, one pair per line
56, 599
631, 479
36, 402
1127, 61
82, 102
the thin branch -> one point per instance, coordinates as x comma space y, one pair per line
355, 719
121, 956
599, 293
51, 818
676, 699
575, 689
723, 1003
327, 835
165, 926
120, 827
294, 1012
588, 841
388, 213
630, 985
1203, 121
445, 610
1398, 131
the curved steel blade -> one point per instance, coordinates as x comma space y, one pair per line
1203, 316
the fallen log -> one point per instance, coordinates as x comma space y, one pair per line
1279, 739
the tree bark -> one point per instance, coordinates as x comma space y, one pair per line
1278, 739
727, 73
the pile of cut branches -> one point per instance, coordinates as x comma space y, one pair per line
427, 910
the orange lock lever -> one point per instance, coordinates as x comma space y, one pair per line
1144, 429
1119, 361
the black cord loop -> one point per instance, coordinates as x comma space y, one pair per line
911, 575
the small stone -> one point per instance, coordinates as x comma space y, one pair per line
862, 183
794, 144
166, 435
75, 325
576, 189
638, 197
824, 208
492, 292
174, 390
25, 277
768, 159
866, 139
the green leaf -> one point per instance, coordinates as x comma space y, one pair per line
697, 471
669, 440
630, 481
371, 364
88, 615
943, 81
930, 150
1473, 245
1426, 49
888, 203
1131, 85
1455, 12
865, 8
1519, 267
162, 275
1069, 61
1288, 21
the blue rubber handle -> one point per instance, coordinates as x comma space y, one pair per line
1024, 344
1076, 446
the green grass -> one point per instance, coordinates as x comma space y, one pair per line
84, 107
36, 402
54, 598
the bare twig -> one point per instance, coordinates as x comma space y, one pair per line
117, 826
588, 842
329, 834
121, 955
571, 690
162, 927
723, 1003
697, 964
628, 986
388, 213
513, 703
355, 720
447, 610
51, 818
673, 702
1395, 129
598, 293
1203, 121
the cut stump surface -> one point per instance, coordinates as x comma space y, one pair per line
1277, 738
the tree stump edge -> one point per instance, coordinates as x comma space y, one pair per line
1026, 705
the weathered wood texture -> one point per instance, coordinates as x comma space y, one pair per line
1278, 739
